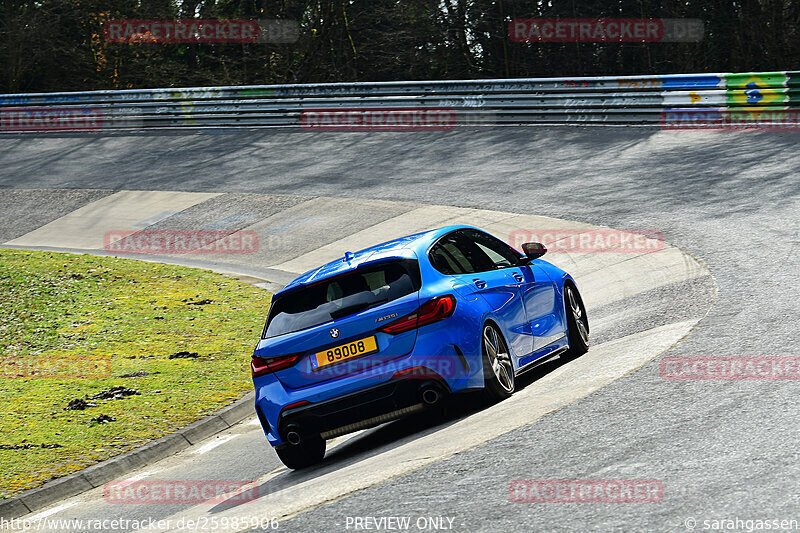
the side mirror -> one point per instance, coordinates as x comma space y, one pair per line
534, 250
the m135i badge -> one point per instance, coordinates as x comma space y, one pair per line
387, 317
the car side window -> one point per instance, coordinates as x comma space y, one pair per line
499, 253
452, 249
456, 254
443, 261
478, 260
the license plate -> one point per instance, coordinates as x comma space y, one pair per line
344, 352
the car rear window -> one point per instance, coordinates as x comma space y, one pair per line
341, 296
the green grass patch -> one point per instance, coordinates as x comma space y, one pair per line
72, 325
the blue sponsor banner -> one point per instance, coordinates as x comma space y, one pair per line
45, 98
695, 81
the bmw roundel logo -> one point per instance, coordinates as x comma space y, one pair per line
335, 333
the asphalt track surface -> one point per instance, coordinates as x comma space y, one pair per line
724, 450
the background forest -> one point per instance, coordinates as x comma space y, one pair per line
51, 45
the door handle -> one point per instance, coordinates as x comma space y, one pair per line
479, 283
518, 276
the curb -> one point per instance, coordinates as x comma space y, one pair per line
96, 475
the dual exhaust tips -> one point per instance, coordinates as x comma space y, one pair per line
429, 393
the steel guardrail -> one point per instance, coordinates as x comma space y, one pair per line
634, 100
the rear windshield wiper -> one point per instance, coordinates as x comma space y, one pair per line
355, 308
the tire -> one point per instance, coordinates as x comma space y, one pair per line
577, 322
498, 370
307, 453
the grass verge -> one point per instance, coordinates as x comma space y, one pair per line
100, 331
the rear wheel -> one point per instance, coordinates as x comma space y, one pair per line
309, 452
577, 323
498, 371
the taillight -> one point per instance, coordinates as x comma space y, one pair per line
266, 365
431, 311
295, 404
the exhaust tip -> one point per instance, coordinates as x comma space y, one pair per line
430, 396
293, 437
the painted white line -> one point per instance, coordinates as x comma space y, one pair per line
52, 511
128, 480
213, 444
143, 475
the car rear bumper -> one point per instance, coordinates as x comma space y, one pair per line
362, 409
365, 399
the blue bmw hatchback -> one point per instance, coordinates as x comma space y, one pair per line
392, 329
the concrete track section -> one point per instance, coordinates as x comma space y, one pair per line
632, 265
724, 450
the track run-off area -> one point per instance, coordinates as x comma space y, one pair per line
723, 284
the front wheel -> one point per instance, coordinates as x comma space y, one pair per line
296, 456
498, 371
577, 323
